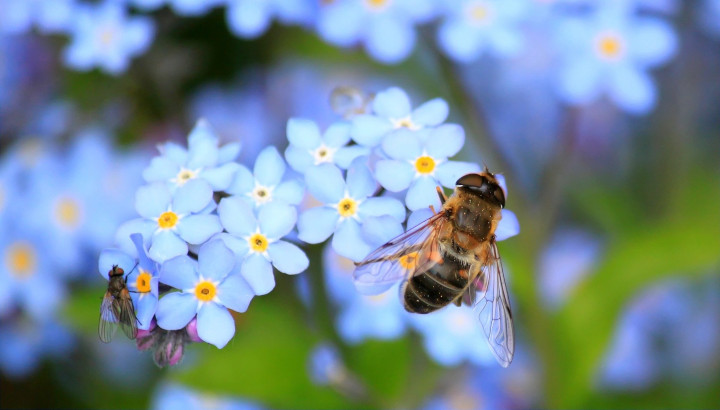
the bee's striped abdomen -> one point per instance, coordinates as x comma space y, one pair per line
436, 287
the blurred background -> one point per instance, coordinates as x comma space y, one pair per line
602, 115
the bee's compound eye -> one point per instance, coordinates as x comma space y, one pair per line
499, 195
471, 180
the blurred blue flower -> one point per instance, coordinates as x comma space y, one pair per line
169, 222
25, 342
142, 278
385, 27
182, 7
203, 160
325, 364
173, 396
265, 184
207, 287
419, 162
308, 148
392, 111
18, 16
257, 241
104, 36
474, 27
610, 52
708, 15
347, 206
251, 18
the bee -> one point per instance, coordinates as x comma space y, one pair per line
117, 308
452, 257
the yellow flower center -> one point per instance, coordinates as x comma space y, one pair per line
20, 259
478, 12
68, 213
409, 261
377, 299
107, 35
610, 46
261, 194
167, 220
184, 176
143, 282
405, 123
347, 207
425, 165
377, 4
205, 291
258, 242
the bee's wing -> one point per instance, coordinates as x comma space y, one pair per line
128, 320
489, 297
383, 268
108, 319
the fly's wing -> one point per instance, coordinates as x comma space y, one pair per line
410, 253
491, 303
108, 320
128, 320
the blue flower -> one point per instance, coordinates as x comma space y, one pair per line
608, 52
419, 163
265, 184
50, 15
476, 26
207, 287
142, 280
385, 27
708, 15
26, 342
307, 147
171, 397
104, 36
251, 18
203, 160
257, 241
181, 7
325, 365
347, 206
171, 221
392, 111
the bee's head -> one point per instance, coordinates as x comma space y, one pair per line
484, 185
116, 271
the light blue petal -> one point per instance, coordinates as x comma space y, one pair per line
348, 241
248, 19
235, 293
229, 152
390, 40
392, 103
40, 296
340, 23
382, 206
215, 325
291, 191
144, 227
402, 144
202, 146
239, 246
237, 216
269, 167
360, 181
175, 310
508, 226
258, 273
505, 41
196, 229
145, 308
317, 224
459, 41
632, 89
325, 182
179, 272
299, 159
152, 200
166, 245
288, 258
368, 130
110, 257
419, 216
276, 219
243, 182
303, 133
431, 113
378, 230
337, 134
222, 176
161, 169
144, 261
449, 172
651, 42
445, 141
394, 176
422, 194
192, 197
346, 155
580, 81
175, 152
215, 260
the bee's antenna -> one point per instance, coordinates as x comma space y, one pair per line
486, 169
132, 270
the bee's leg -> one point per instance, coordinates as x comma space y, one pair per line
441, 194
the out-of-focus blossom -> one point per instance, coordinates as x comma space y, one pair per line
169, 397
708, 15
474, 27
207, 287
325, 364
391, 110
308, 147
347, 208
25, 342
182, 7
104, 36
419, 162
610, 52
251, 18
268, 182
257, 241
18, 16
386, 28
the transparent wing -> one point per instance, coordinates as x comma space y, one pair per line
491, 303
108, 320
128, 320
412, 252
